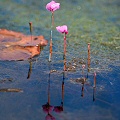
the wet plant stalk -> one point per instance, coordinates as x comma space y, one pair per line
49, 64
83, 67
62, 90
89, 57
94, 80
30, 70
64, 54
94, 86
51, 34
30, 24
94, 90
82, 90
49, 90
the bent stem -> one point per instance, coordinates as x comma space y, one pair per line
64, 54
52, 24
30, 24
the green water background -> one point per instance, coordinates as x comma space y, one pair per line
91, 21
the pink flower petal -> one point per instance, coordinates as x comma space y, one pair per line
59, 29
62, 29
52, 6
55, 6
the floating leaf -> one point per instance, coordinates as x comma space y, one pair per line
17, 46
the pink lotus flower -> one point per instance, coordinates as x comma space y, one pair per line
52, 6
62, 29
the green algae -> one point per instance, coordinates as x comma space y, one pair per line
91, 21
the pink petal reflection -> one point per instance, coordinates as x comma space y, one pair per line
58, 109
49, 117
47, 108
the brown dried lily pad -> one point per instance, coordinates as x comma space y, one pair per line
18, 46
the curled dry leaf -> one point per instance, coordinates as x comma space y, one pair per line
18, 46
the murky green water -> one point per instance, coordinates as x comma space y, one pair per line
92, 21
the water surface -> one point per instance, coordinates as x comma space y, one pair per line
92, 21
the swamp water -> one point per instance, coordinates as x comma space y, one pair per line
92, 21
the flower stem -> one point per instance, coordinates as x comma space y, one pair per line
52, 19
64, 54
94, 86
50, 52
52, 24
94, 80
88, 57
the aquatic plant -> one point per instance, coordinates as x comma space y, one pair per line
88, 57
59, 109
64, 30
30, 24
52, 6
94, 86
94, 80
83, 67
